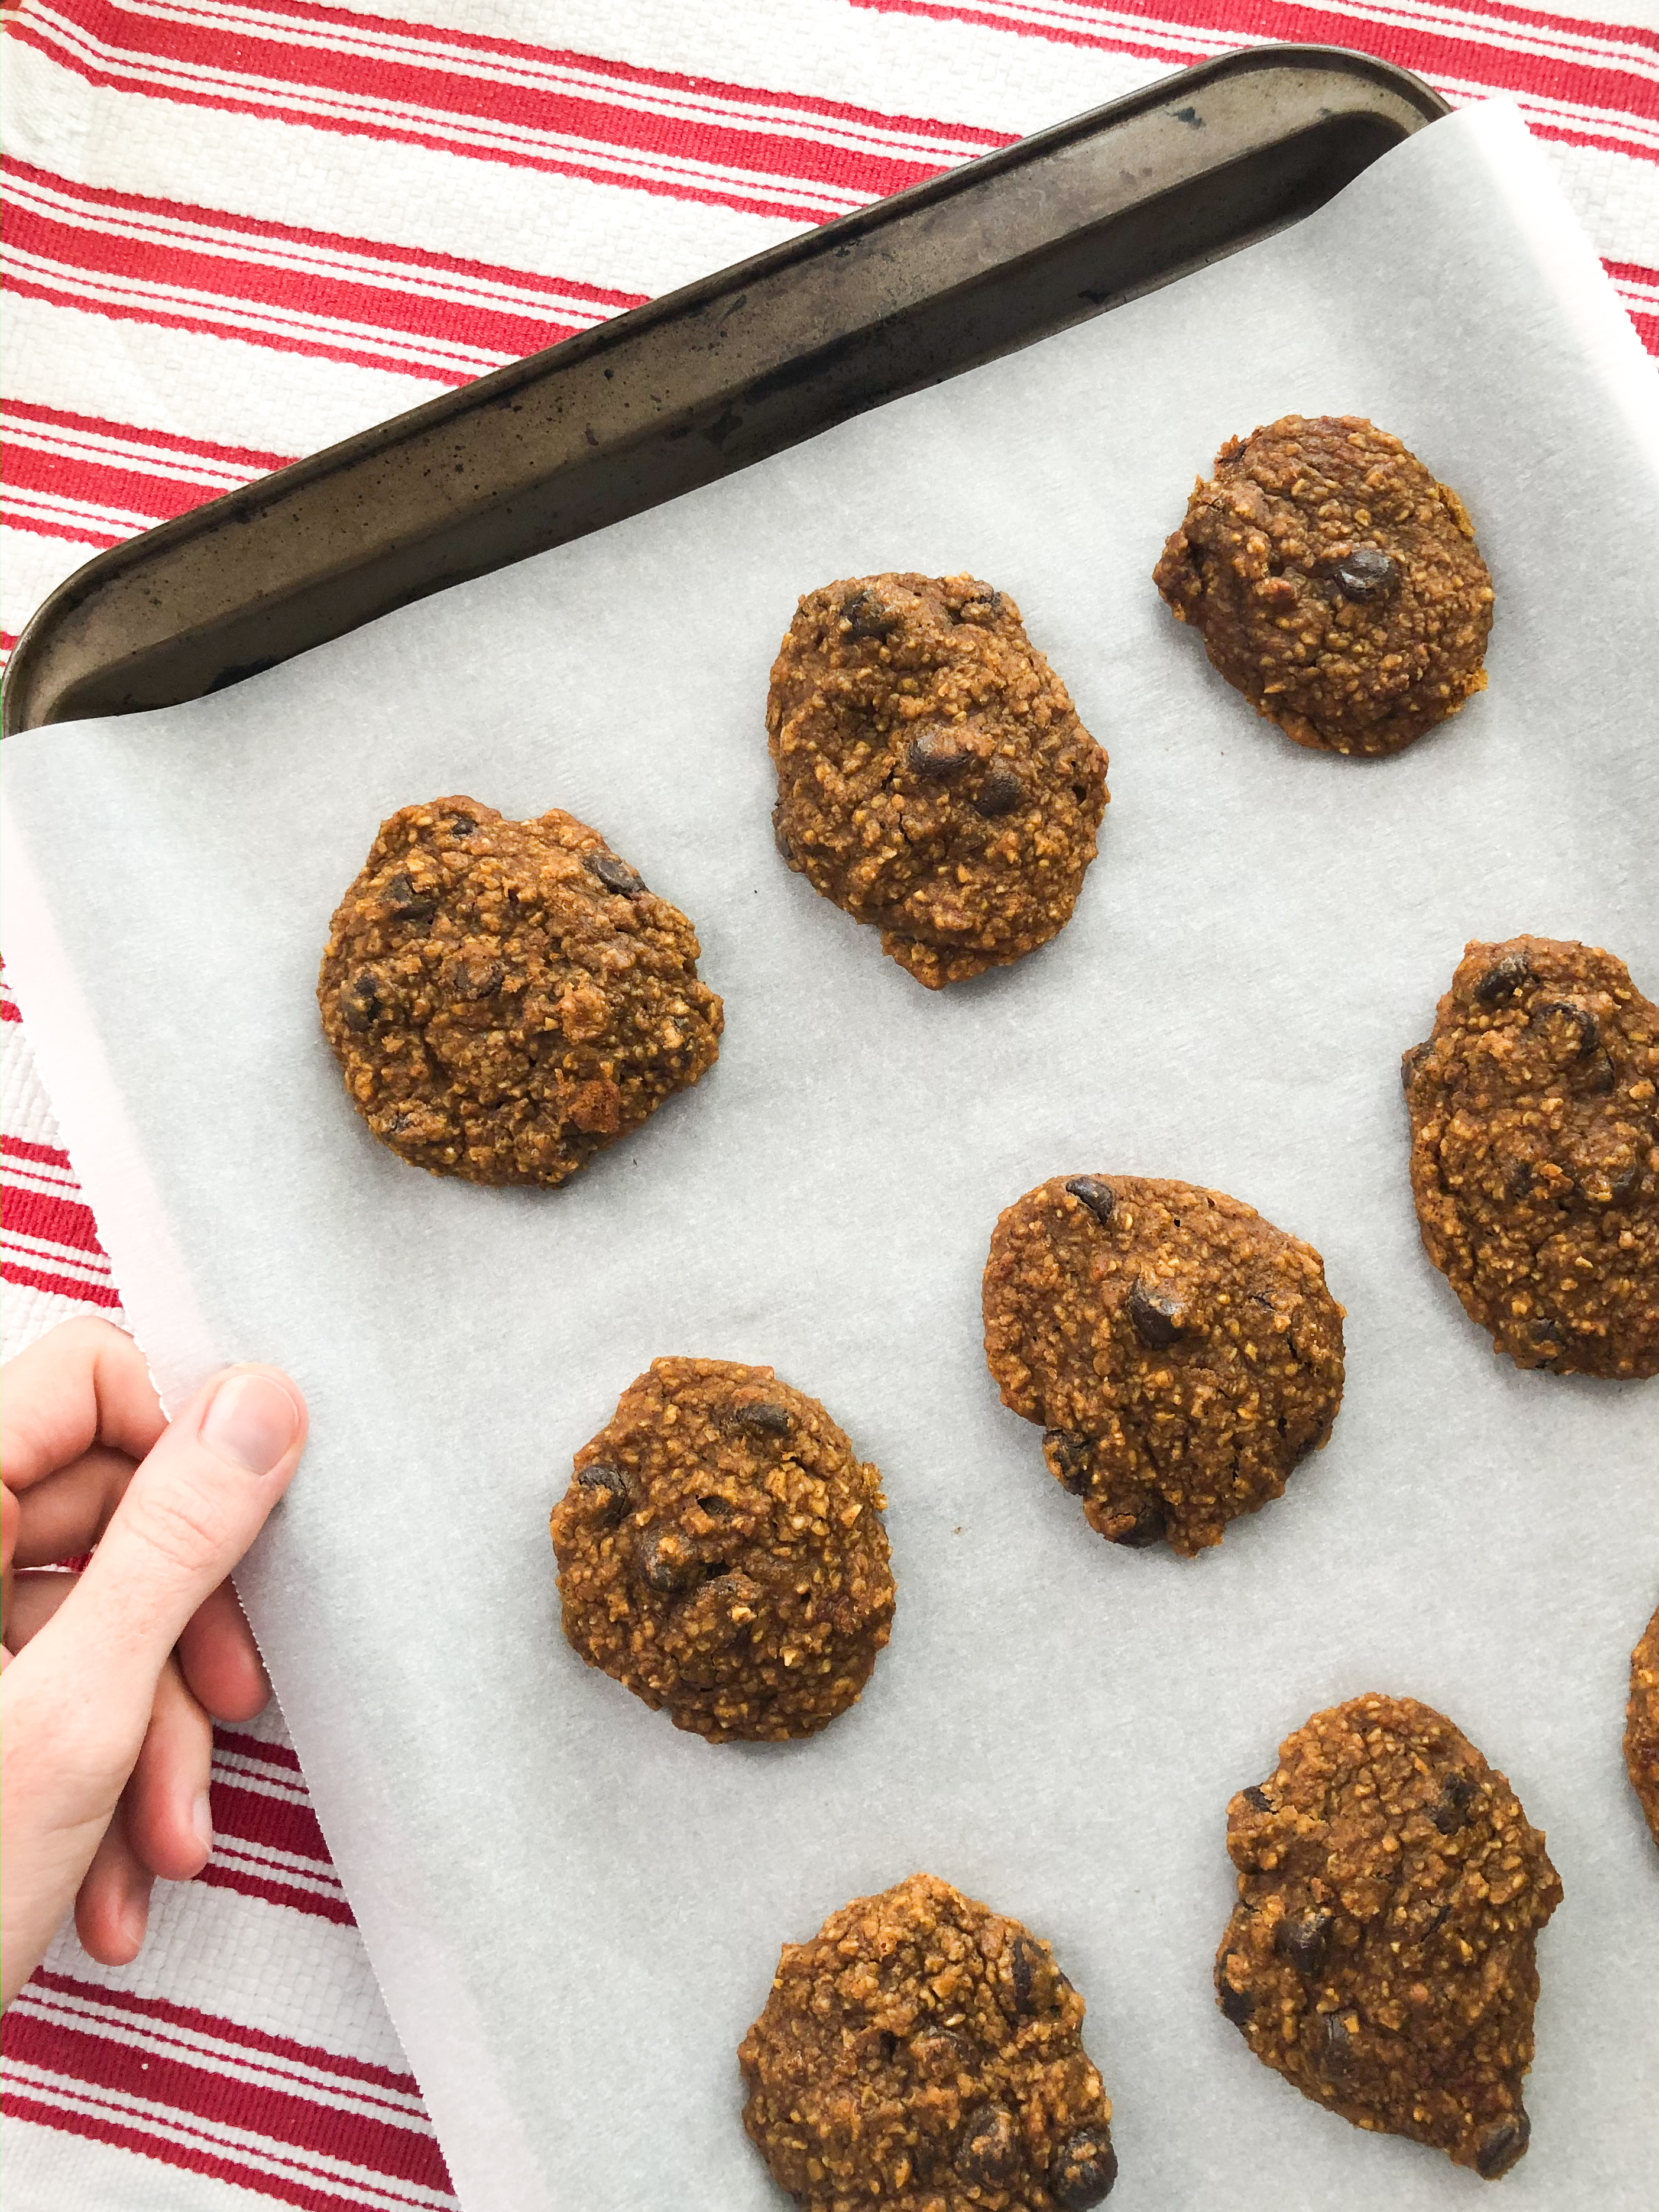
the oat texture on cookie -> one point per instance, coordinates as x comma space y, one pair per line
505, 998
1642, 1723
1381, 1952
1535, 1159
922, 2053
1335, 583
722, 1554
933, 778
1182, 1354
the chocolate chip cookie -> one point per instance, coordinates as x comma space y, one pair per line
1182, 1355
505, 998
1335, 583
722, 1554
933, 776
923, 2054
1380, 1956
1642, 1723
1535, 1154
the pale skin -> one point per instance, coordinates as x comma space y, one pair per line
113, 1677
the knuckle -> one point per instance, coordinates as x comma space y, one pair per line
179, 1523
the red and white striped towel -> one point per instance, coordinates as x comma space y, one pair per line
238, 231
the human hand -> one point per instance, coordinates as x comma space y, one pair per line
113, 1677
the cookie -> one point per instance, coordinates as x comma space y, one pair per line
1642, 1723
506, 998
1335, 583
1534, 1156
1381, 1954
722, 1553
933, 778
1182, 1355
924, 2054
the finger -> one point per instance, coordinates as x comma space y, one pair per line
66, 1514
112, 1907
35, 1599
10, 1514
189, 1514
82, 1384
168, 1824
221, 1661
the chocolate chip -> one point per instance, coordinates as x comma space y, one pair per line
987, 608
458, 825
615, 875
1518, 1182
1305, 1941
1411, 1059
1257, 1797
404, 904
1623, 1186
1151, 1525
1099, 1197
1000, 791
1333, 2041
1236, 2005
1068, 1454
1586, 1030
941, 2053
780, 836
478, 978
1032, 1973
1368, 573
1457, 1794
765, 1417
1542, 1330
938, 755
614, 1485
865, 617
1503, 2144
667, 1561
361, 1000
1084, 2170
1157, 1316
989, 2154
1503, 978
1599, 1078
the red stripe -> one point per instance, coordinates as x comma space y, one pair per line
272, 1889
163, 2010
309, 2196
55, 1219
486, 333
62, 1286
440, 90
1631, 272
253, 1746
98, 484
1438, 55
277, 1824
24, 1148
8, 1006
136, 434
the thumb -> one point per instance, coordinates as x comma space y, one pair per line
188, 1515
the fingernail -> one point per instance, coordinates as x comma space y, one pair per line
201, 1818
251, 1422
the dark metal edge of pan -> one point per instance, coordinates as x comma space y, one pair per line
740, 364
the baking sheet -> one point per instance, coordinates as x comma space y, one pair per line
574, 1909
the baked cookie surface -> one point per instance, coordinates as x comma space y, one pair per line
924, 2054
933, 778
1535, 1158
1335, 583
1182, 1354
505, 998
722, 1555
1642, 1723
1381, 1954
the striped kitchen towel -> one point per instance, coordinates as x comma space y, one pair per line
235, 233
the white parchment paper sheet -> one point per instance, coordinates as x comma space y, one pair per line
574, 1909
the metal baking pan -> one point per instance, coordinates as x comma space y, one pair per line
898, 295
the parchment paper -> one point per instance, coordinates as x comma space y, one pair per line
575, 1911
